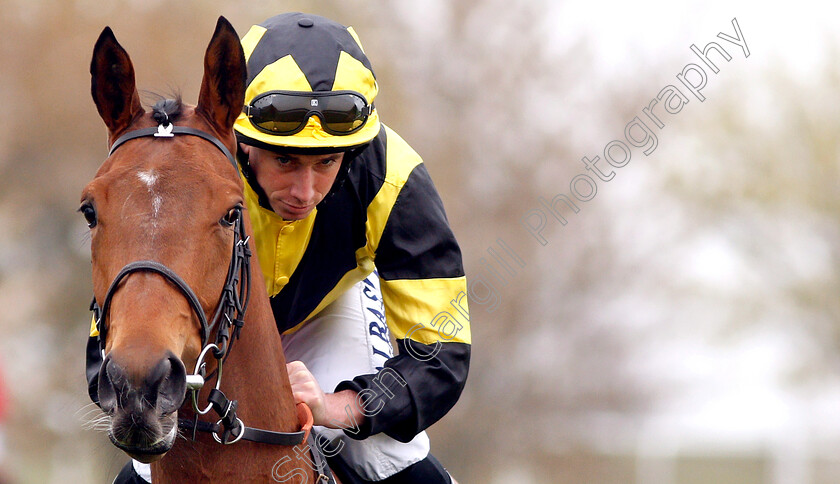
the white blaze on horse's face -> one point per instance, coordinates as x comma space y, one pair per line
149, 178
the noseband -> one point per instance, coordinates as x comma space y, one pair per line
229, 314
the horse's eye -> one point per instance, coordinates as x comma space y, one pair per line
89, 213
230, 218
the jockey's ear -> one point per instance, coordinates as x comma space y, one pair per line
112, 84
223, 86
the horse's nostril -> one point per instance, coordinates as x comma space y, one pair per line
171, 386
163, 388
112, 380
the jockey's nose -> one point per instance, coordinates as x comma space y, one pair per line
303, 185
163, 388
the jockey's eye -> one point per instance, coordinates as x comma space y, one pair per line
89, 213
230, 218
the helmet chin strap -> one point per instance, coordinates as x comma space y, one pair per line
349, 156
244, 164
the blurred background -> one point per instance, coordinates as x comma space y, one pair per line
682, 327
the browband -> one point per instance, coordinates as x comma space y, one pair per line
170, 131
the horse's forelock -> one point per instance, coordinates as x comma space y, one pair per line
166, 111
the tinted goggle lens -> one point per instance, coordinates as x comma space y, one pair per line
287, 112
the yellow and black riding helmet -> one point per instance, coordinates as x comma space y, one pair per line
310, 90
310, 87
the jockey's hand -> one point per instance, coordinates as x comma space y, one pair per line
332, 410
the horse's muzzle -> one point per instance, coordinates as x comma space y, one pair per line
143, 408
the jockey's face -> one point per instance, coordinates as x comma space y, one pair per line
294, 184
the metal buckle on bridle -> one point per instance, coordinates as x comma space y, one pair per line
239, 425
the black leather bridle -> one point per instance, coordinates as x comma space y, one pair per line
228, 321
236, 290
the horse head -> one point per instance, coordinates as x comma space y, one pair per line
172, 200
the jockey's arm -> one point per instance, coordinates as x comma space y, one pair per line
424, 291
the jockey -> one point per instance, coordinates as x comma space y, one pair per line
354, 246
355, 250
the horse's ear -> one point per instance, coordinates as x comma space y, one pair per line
112, 83
223, 86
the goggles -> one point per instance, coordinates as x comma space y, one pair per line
285, 113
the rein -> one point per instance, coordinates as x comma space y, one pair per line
229, 313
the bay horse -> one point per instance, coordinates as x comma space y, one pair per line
169, 246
